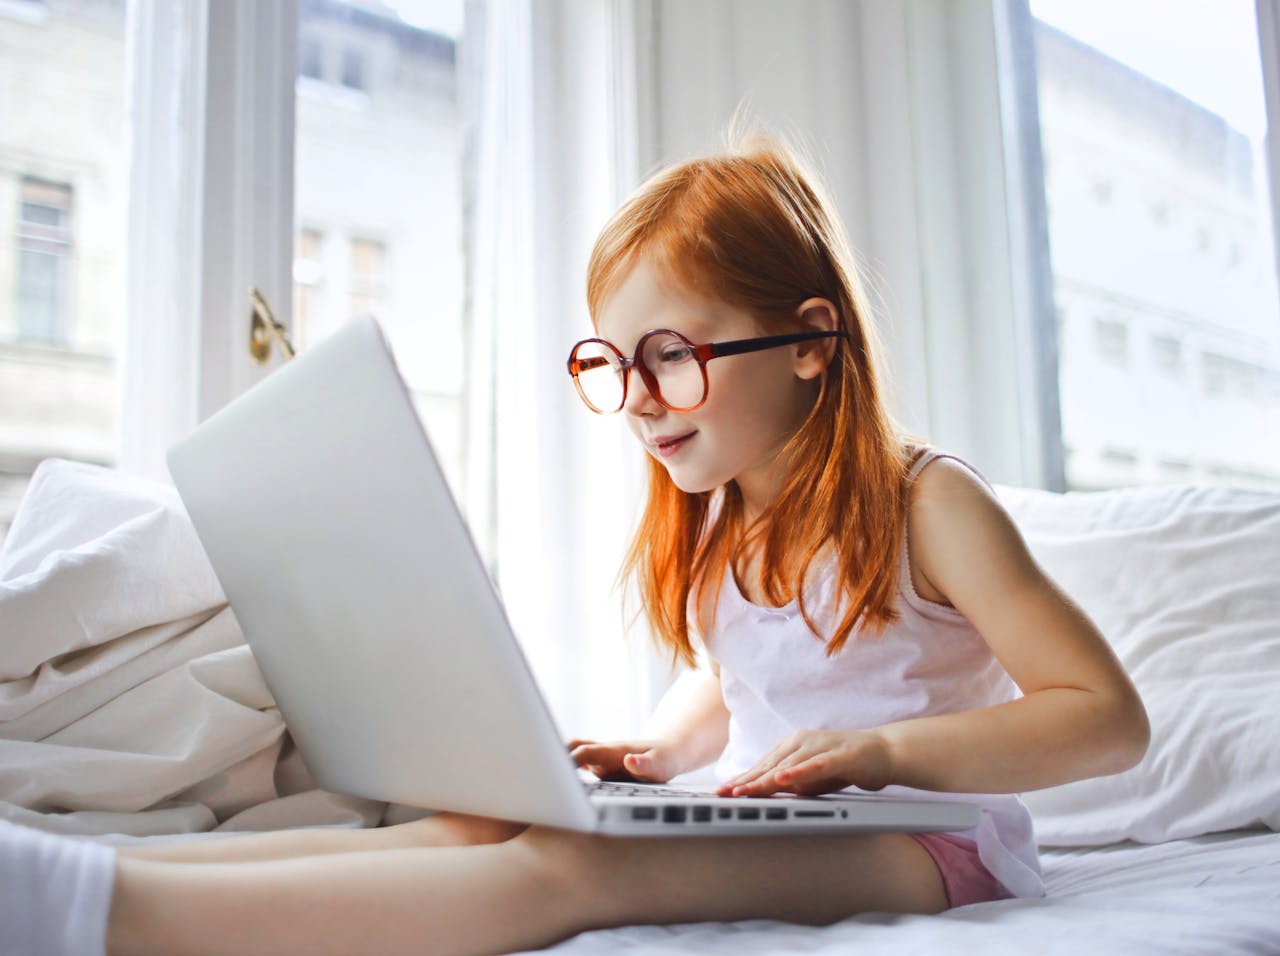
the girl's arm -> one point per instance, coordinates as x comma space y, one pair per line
688, 735
1080, 715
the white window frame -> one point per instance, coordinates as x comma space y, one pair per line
211, 207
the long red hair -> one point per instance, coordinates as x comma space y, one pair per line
753, 228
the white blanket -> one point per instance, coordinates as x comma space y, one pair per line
129, 703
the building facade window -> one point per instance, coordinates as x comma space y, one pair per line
45, 247
311, 58
368, 277
353, 69
1166, 355
1111, 337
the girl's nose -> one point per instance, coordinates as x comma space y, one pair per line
639, 399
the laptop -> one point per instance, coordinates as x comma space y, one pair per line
351, 571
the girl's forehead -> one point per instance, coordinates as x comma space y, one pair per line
649, 298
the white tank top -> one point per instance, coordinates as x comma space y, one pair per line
777, 679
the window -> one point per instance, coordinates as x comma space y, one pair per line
368, 277
1112, 339
43, 274
63, 205
1175, 115
386, 182
353, 69
1230, 378
311, 58
1166, 355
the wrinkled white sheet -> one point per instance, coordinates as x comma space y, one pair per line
1216, 894
129, 703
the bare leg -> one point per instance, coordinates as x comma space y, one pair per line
528, 892
442, 829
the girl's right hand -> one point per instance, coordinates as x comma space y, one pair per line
647, 761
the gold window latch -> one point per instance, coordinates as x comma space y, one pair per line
263, 324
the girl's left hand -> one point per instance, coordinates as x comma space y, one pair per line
817, 761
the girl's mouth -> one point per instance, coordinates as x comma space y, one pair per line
666, 447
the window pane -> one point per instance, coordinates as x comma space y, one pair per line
1152, 122
63, 205
379, 186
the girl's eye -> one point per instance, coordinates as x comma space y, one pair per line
675, 353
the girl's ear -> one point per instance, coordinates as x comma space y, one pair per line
812, 358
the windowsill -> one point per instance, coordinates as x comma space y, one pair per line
44, 353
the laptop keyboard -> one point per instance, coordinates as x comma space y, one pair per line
610, 788
705, 806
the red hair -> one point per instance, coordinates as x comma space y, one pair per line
752, 228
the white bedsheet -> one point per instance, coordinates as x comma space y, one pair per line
129, 703
1217, 894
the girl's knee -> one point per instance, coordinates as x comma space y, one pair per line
586, 867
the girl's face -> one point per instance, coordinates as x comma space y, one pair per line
755, 402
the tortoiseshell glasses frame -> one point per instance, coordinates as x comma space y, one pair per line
684, 350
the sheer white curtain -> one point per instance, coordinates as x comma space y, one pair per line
551, 487
1268, 13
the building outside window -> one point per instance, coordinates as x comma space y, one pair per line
1160, 228
378, 171
382, 171
63, 209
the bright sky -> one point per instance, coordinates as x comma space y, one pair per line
441, 16
1207, 50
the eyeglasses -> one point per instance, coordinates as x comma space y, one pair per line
673, 369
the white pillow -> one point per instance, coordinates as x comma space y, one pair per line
1185, 583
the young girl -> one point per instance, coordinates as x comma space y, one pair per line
867, 611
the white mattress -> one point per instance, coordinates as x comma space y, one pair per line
1216, 894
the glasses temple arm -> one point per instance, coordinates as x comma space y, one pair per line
742, 346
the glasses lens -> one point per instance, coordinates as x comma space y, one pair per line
670, 359
599, 376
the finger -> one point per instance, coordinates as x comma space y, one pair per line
809, 776
646, 765
772, 780
762, 766
762, 786
590, 754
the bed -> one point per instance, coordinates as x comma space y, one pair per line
130, 709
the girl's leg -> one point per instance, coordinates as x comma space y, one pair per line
527, 892
441, 829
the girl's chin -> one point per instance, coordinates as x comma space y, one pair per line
689, 483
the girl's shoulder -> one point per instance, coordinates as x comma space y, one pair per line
947, 496
951, 468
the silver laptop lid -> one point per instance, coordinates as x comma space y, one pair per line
331, 527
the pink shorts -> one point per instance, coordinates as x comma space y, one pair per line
964, 877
